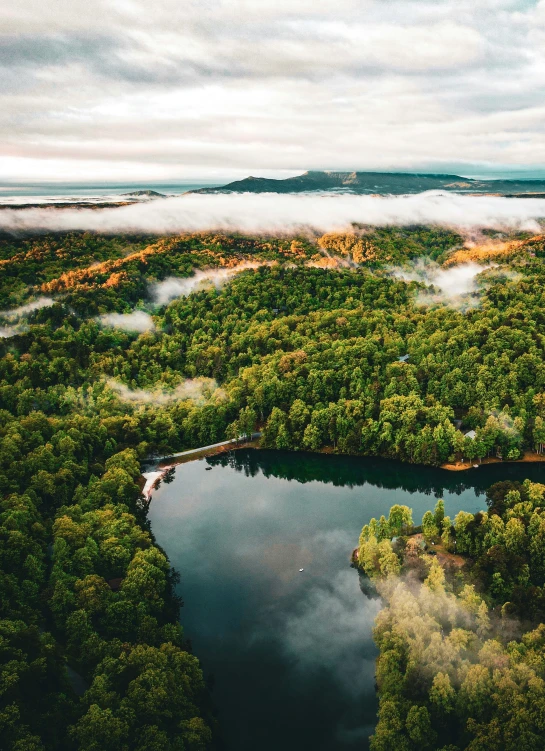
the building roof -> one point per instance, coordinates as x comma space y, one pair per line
403, 358
471, 434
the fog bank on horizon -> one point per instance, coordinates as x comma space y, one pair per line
270, 213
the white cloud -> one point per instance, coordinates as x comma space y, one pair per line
174, 287
136, 321
8, 331
24, 310
458, 280
267, 212
406, 47
123, 91
192, 389
455, 286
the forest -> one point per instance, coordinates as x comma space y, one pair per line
461, 636
117, 348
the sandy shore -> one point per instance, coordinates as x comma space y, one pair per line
529, 456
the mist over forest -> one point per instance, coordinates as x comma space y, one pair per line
272, 273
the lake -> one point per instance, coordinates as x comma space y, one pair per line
289, 653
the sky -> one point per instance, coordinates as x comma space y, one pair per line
132, 91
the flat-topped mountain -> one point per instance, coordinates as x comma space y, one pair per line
378, 182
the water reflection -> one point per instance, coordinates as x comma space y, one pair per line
352, 471
291, 652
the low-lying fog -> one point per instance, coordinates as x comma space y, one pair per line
273, 213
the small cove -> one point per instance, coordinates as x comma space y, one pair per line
290, 653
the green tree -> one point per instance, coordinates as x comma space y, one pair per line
419, 726
439, 513
515, 536
442, 694
429, 527
399, 519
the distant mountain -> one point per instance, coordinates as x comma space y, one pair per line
145, 194
396, 183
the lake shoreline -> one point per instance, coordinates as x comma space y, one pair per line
530, 457
280, 533
149, 480
175, 461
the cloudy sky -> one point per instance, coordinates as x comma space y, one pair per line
178, 90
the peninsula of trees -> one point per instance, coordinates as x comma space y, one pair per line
461, 636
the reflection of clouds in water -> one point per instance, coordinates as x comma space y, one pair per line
285, 559
333, 540
314, 554
331, 630
262, 626
353, 735
331, 625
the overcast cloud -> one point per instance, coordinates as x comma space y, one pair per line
217, 89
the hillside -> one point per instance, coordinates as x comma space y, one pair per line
397, 183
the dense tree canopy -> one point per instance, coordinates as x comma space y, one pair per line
306, 346
461, 638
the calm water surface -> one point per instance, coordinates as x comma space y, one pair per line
290, 653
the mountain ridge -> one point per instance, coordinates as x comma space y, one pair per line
382, 183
